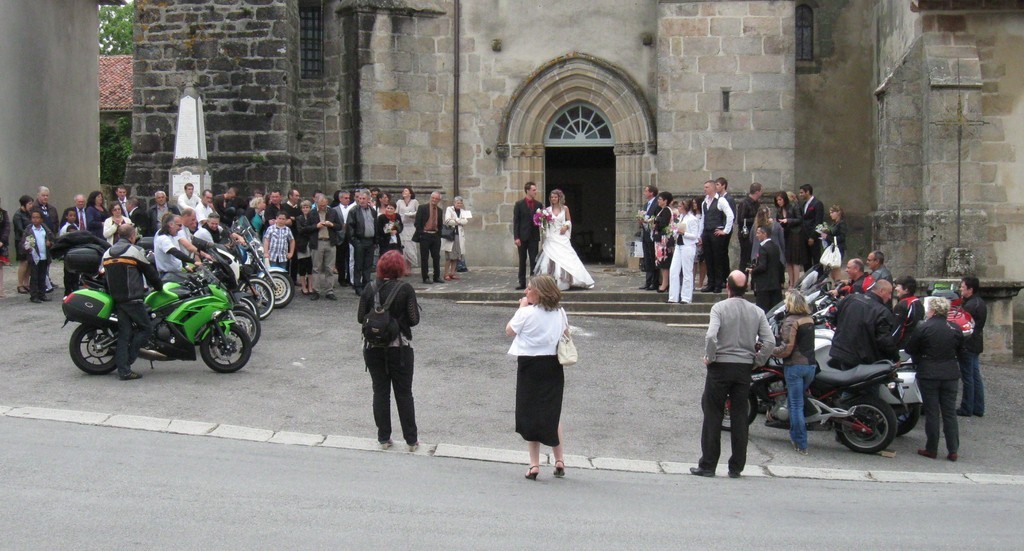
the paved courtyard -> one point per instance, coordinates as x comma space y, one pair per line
635, 393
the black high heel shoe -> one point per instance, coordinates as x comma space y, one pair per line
533, 472
559, 471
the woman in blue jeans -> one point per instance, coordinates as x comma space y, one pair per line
797, 355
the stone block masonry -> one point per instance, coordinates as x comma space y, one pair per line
738, 58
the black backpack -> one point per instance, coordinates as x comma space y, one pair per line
379, 328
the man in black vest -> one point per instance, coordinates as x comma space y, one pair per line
428, 233
746, 212
525, 234
722, 189
718, 219
652, 282
766, 274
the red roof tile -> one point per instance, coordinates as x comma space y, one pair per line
115, 83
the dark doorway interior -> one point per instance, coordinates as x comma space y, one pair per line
587, 177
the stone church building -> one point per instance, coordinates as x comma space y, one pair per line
602, 97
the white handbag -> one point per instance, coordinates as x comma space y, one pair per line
830, 257
567, 354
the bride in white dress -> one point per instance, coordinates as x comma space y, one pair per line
558, 259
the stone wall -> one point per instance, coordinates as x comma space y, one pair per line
242, 57
707, 50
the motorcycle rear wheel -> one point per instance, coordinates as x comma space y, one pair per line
284, 289
90, 356
875, 415
249, 321
223, 361
751, 413
262, 296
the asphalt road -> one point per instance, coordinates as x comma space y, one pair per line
79, 487
634, 394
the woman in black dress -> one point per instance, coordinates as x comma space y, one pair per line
21, 221
392, 366
796, 253
664, 245
540, 381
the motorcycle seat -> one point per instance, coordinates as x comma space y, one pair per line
837, 378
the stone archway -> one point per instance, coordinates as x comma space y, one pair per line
582, 78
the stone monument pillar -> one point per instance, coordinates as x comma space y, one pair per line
190, 164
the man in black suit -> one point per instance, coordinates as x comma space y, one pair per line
362, 220
428, 233
652, 280
718, 222
138, 216
158, 210
526, 235
812, 213
766, 273
51, 218
746, 212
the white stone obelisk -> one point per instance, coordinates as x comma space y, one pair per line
190, 164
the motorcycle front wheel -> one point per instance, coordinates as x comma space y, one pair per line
284, 289
92, 350
226, 354
262, 296
250, 322
871, 428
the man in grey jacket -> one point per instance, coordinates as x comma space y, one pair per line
731, 352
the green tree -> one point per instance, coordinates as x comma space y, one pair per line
116, 27
115, 147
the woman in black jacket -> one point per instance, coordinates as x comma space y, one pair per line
935, 346
392, 366
21, 221
5, 235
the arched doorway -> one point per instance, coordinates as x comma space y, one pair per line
579, 159
575, 80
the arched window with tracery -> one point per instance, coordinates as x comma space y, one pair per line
804, 33
579, 125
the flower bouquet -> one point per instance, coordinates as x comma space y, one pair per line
30, 242
392, 228
823, 229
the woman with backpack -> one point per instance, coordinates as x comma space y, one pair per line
387, 312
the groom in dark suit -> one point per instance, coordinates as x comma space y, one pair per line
527, 236
653, 279
766, 273
812, 214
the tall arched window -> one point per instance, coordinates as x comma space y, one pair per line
804, 33
579, 125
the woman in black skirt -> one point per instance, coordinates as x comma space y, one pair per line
537, 327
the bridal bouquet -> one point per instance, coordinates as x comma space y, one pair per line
822, 229
542, 219
30, 242
392, 229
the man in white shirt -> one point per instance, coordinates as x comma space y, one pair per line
168, 257
205, 207
343, 257
718, 219
188, 199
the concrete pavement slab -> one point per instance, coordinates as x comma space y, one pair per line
296, 438
242, 433
571, 461
996, 478
194, 428
5, 409
137, 422
818, 474
629, 465
930, 478
482, 454
350, 443
66, 415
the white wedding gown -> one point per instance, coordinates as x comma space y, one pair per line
559, 260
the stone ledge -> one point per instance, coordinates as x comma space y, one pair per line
65, 415
235, 432
296, 438
930, 478
481, 454
191, 428
137, 422
627, 465
818, 474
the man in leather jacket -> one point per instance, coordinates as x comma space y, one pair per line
127, 270
864, 329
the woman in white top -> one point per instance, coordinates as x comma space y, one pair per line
406, 208
687, 232
456, 216
537, 326
116, 220
558, 259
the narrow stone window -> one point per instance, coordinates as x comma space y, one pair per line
725, 100
311, 41
804, 33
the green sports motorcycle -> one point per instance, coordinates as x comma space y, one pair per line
195, 313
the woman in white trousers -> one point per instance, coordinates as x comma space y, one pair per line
687, 231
